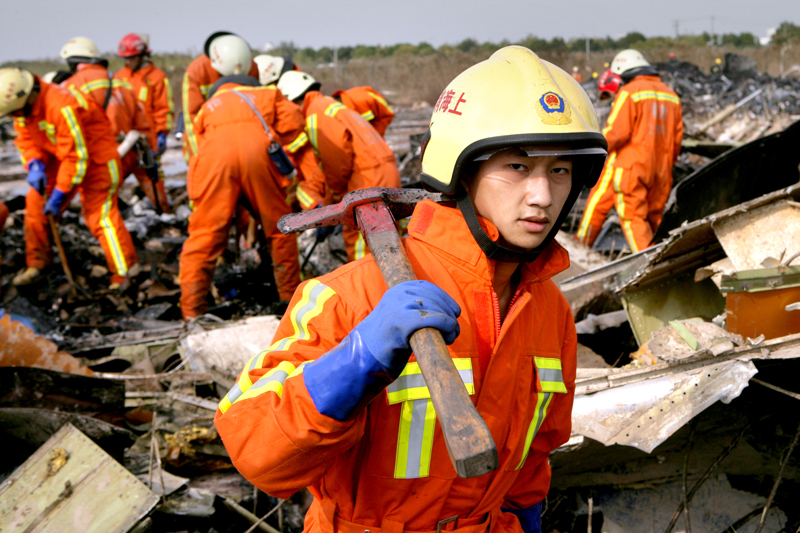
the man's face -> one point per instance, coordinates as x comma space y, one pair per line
521, 195
134, 62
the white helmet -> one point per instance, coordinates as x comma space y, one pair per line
628, 60
269, 68
15, 87
294, 84
230, 54
79, 47
49, 76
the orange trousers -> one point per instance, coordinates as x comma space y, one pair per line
225, 168
4, 212
130, 165
100, 211
639, 201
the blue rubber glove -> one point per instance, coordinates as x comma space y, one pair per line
55, 202
36, 176
161, 143
343, 381
326, 231
530, 518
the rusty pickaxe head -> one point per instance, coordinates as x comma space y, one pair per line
400, 202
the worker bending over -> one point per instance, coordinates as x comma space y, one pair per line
644, 133
271, 68
233, 161
337, 403
93, 80
370, 104
224, 53
67, 146
353, 155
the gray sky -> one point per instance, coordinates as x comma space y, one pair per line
34, 29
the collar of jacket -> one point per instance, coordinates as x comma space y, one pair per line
90, 66
445, 229
309, 98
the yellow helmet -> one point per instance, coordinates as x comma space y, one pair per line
79, 47
15, 87
294, 84
514, 98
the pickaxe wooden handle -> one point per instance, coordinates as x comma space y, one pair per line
61, 253
469, 442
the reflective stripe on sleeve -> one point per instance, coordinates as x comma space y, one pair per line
415, 440
310, 305
542, 403
78, 96
302, 196
381, 100
80, 145
143, 93
583, 229
311, 129
109, 231
204, 90
49, 130
298, 143
360, 247
171, 103
618, 103
334, 108
368, 115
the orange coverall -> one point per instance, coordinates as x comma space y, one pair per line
4, 212
232, 161
153, 90
353, 156
125, 114
387, 470
197, 82
72, 136
370, 104
644, 134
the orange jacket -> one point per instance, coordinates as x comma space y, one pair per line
126, 114
645, 128
153, 90
353, 155
197, 81
385, 463
65, 125
93, 81
370, 104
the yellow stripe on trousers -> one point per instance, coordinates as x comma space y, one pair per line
583, 229
624, 221
106, 223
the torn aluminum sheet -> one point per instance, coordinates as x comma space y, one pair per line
645, 414
228, 349
70, 484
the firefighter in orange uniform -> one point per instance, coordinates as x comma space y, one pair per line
644, 133
337, 403
224, 53
370, 104
353, 155
67, 146
124, 112
233, 161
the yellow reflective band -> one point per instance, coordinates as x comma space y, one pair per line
80, 145
188, 125
382, 101
302, 196
20, 121
410, 384
49, 130
655, 95
78, 96
623, 95
311, 129
272, 381
334, 108
121, 83
204, 90
369, 115
109, 231
171, 103
540, 411
360, 247
550, 374
95, 85
621, 211
583, 229
298, 143
415, 440
143, 93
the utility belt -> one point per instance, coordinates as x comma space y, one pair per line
325, 513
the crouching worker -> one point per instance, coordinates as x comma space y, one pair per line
337, 404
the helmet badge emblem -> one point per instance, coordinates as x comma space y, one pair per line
553, 109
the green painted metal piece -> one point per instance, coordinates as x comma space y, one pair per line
762, 279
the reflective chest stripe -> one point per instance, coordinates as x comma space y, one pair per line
48, 129
418, 418
78, 96
548, 370
310, 305
334, 108
143, 93
311, 129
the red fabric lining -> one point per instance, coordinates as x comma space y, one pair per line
424, 216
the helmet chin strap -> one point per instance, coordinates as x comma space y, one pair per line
498, 252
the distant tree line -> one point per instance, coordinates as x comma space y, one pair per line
786, 32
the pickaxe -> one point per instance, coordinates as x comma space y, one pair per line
61, 253
371, 211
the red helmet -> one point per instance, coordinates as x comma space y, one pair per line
132, 45
608, 84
